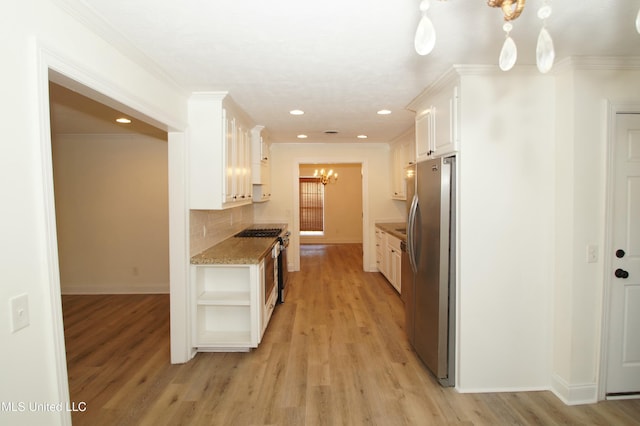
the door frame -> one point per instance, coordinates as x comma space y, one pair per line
52, 66
612, 109
296, 204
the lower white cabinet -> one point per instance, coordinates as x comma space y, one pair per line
389, 257
394, 256
227, 310
381, 242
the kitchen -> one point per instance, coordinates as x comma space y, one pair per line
550, 215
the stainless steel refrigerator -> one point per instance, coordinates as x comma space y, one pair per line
430, 251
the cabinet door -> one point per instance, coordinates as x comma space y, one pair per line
424, 134
229, 154
397, 269
409, 151
397, 169
445, 128
380, 250
241, 174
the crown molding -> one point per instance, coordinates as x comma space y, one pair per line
94, 22
589, 63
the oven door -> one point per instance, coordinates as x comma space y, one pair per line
283, 273
270, 285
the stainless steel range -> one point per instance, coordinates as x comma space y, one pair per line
259, 233
283, 272
281, 260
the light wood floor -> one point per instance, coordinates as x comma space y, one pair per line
334, 354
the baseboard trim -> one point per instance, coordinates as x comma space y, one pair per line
586, 393
503, 390
115, 289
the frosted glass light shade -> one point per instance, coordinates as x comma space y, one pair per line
508, 55
638, 22
545, 53
425, 39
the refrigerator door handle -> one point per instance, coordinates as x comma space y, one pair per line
411, 233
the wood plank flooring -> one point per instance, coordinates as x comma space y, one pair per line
334, 354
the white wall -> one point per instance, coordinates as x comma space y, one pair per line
582, 89
285, 159
506, 251
42, 34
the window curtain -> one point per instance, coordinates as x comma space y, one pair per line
311, 204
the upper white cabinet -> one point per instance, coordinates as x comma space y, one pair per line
437, 122
260, 164
219, 152
402, 155
424, 134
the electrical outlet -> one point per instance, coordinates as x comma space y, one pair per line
592, 253
19, 312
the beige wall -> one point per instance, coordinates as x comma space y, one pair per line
342, 204
378, 205
111, 196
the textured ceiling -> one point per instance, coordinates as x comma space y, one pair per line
342, 60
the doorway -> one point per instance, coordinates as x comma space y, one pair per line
363, 166
55, 68
339, 207
110, 185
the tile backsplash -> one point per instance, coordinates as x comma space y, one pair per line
209, 227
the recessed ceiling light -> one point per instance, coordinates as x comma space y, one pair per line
384, 112
362, 136
296, 112
302, 136
123, 120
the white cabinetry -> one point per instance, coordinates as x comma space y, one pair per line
437, 123
394, 259
227, 310
389, 257
402, 155
381, 242
219, 152
424, 134
260, 164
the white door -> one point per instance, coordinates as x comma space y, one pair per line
623, 371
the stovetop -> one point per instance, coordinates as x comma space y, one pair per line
259, 233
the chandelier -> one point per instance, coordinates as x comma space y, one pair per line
326, 177
425, 38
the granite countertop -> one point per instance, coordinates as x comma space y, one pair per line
392, 228
238, 251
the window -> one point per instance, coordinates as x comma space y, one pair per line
311, 206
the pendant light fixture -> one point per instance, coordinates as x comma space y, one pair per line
425, 38
545, 52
